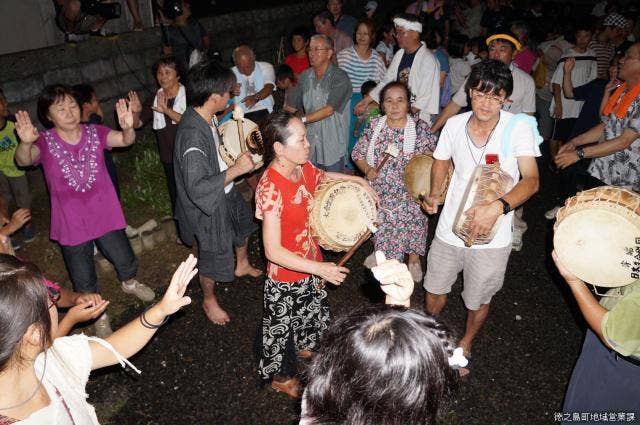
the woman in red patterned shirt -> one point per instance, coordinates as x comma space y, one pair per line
296, 312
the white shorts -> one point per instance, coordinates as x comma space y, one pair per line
483, 271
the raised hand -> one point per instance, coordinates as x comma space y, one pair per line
27, 132
395, 279
161, 102
174, 298
569, 64
134, 102
125, 116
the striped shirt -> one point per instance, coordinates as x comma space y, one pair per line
604, 53
360, 70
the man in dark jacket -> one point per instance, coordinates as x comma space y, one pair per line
210, 211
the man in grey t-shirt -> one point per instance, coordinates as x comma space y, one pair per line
323, 97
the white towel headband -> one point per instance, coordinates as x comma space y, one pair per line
408, 25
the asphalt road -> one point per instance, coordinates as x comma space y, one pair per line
197, 373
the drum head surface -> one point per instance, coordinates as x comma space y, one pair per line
417, 175
340, 214
598, 246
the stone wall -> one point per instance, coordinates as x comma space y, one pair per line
114, 66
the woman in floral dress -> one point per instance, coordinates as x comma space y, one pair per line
403, 227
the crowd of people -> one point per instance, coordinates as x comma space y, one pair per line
471, 84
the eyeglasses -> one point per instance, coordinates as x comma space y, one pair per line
315, 50
54, 296
480, 96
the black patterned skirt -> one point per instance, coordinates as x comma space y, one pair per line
295, 314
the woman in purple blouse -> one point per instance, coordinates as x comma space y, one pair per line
84, 206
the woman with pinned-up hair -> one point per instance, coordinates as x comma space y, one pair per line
296, 311
383, 365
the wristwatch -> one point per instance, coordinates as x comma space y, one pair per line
505, 206
580, 152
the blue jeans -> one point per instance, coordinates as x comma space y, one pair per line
81, 267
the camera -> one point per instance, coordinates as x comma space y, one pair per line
172, 8
97, 7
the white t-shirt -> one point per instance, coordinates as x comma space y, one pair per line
583, 72
455, 145
67, 370
523, 98
248, 86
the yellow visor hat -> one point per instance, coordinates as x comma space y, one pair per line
505, 37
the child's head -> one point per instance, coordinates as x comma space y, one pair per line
300, 38
284, 77
86, 97
479, 47
4, 105
367, 86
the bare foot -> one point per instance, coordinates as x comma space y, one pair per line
466, 351
214, 312
247, 269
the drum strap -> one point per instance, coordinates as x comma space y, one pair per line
408, 145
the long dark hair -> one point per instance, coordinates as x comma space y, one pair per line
275, 130
381, 365
23, 302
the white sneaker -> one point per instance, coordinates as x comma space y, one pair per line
130, 231
416, 271
102, 327
138, 289
551, 214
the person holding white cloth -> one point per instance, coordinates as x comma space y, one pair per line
165, 112
256, 81
413, 65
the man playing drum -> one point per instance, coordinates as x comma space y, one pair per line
502, 47
211, 212
482, 136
